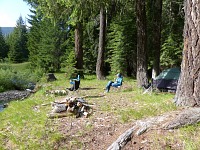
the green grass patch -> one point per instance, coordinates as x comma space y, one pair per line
17, 76
25, 125
190, 136
18, 66
146, 105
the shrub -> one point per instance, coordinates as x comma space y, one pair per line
11, 79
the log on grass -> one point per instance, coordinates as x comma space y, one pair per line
58, 115
187, 117
122, 140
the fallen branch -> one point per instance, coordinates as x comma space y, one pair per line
187, 117
167, 121
122, 140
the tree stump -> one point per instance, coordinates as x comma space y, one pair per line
51, 77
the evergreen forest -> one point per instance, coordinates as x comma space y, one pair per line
98, 37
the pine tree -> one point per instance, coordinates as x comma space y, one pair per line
187, 93
141, 43
102, 33
34, 37
90, 47
18, 51
47, 42
122, 43
3, 46
154, 16
50, 46
172, 33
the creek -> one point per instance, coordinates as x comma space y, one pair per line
6, 97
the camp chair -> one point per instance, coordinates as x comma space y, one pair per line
118, 87
75, 83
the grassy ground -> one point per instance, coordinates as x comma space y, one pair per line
25, 125
19, 66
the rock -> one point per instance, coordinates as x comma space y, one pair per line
13, 95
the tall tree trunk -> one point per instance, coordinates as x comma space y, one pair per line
189, 82
79, 48
141, 43
156, 43
100, 58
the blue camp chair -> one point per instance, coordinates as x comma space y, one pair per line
75, 83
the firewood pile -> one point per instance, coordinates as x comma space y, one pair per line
73, 105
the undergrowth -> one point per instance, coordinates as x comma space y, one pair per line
17, 76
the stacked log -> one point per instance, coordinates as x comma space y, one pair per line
73, 105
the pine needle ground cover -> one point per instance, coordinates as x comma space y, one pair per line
25, 124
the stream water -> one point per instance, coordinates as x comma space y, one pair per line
2, 107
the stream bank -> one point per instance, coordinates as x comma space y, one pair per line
8, 96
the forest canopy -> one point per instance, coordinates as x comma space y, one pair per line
97, 37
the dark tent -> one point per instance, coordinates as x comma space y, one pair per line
167, 79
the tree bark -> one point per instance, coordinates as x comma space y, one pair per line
100, 58
156, 43
79, 48
141, 43
188, 86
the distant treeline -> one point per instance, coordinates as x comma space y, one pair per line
7, 30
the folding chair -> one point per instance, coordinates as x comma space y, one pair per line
75, 85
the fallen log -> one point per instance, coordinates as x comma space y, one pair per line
59, 115
187, 117
122, 140
168, 121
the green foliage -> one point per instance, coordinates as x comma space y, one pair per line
3, 46
118, 55
68, 59
46, 43
50, 47
5, 80
14, 78
17, 42
122, 45
34, 38
172, 31
171, 52
90, 47
70, 64
173, 18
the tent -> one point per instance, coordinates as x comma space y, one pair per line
167, 79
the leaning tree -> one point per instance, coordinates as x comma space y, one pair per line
188, 87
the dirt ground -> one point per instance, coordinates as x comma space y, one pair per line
99, 132
102, 128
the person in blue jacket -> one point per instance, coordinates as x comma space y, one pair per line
118, 82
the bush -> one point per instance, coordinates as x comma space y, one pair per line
11, 79
69, 65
